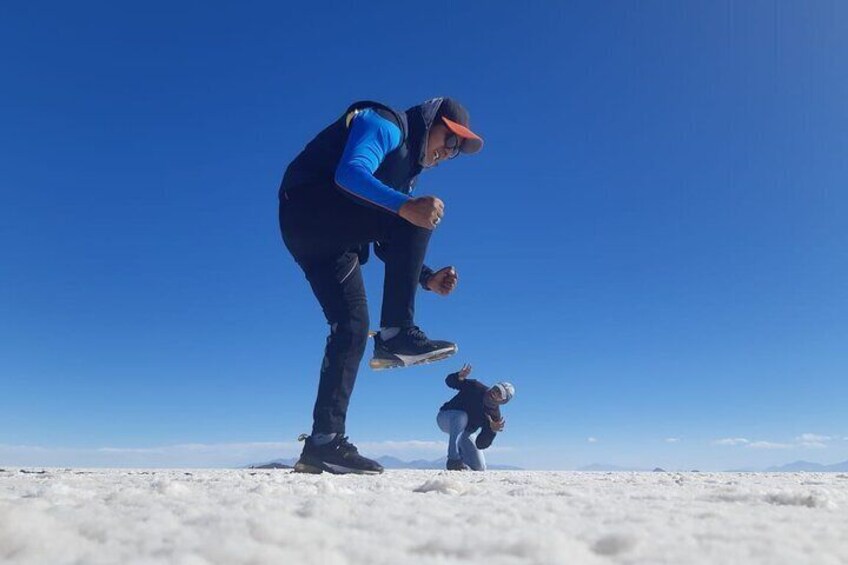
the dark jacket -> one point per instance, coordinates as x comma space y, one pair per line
470, 399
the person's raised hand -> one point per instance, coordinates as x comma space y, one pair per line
464, 372
496, 425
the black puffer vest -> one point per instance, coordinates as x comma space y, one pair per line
313, 171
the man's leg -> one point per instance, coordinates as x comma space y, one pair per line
339, 223
321, 239
403, 253
338, 286
453, 423
337, 283
321, 233
401, 343
471, 456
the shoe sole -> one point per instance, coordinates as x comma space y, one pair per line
311, 469
412, 360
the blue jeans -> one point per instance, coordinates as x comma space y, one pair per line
460, 444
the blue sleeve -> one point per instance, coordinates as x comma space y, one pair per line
371, 138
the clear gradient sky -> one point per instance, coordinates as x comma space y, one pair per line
652, 245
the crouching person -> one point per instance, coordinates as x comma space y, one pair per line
475, 406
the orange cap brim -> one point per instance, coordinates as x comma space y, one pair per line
471, 142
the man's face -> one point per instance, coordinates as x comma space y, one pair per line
442, 144
494, 395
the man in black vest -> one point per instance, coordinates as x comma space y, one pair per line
350, 187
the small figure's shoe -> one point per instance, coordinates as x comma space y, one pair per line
456, 465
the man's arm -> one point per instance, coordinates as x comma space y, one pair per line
459, 380
453, 381
370, 139
485, 438
494, 421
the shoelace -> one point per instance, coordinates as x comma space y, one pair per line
415, 333
347, 447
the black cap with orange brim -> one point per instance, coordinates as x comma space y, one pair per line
456, 118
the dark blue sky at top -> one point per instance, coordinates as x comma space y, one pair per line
651, 245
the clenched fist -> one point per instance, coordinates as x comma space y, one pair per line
424, 212
443, 281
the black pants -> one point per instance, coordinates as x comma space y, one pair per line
325, 234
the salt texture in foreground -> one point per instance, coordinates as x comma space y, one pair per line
245, 516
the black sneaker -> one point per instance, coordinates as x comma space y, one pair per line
456, 465
409, 347
339, 457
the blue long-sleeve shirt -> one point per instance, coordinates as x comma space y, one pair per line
370, 139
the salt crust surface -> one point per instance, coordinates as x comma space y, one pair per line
195, 517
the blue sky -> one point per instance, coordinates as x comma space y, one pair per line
652, 245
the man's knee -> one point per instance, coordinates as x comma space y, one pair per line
352, 332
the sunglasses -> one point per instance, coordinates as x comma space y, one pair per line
452, 144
